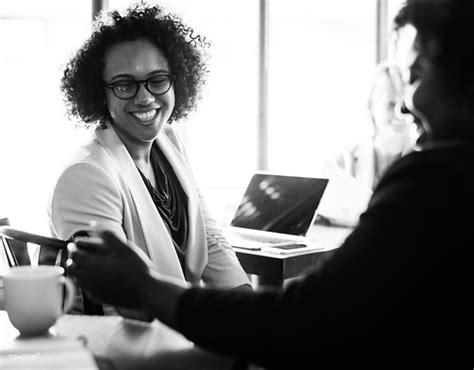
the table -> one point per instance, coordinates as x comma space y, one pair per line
273, 269
112, 342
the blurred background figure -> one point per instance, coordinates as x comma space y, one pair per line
391, 138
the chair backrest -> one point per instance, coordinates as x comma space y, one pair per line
52, 252
15, 251
7, 257
14, 243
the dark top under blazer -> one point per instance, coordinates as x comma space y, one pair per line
397, 294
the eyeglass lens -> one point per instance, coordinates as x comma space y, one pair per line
156, 85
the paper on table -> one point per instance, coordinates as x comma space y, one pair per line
64, 359
130, 344
44, 352
112, 341
344, 199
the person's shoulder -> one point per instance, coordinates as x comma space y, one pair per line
91, 150
88, 156
445, 157
89, 165
174, 136
431, 172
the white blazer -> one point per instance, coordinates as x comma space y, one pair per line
103, 184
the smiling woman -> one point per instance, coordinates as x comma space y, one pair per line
138, 73
138, 113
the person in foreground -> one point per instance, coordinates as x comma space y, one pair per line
398, 293
139, 73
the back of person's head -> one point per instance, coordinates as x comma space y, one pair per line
82, 82
445, 35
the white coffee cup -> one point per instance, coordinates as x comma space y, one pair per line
34, 297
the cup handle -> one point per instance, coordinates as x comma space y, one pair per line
70, 293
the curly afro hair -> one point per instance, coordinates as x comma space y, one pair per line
82, 83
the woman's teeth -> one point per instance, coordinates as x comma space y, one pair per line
144, 116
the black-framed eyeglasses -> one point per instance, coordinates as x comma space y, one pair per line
128, 89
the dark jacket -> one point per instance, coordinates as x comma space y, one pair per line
397, 294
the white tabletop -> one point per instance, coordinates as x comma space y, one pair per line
114, 342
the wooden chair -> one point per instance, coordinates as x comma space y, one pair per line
18, 255
52, 252
15, 241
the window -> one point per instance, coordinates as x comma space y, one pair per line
37, 37
321, 60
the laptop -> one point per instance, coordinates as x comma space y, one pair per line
276, 212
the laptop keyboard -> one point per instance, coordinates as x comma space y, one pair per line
267, 240
256, 242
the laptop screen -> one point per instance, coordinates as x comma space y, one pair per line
282, 204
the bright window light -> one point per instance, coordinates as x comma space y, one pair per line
36, 137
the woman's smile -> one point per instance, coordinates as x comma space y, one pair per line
146, 117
